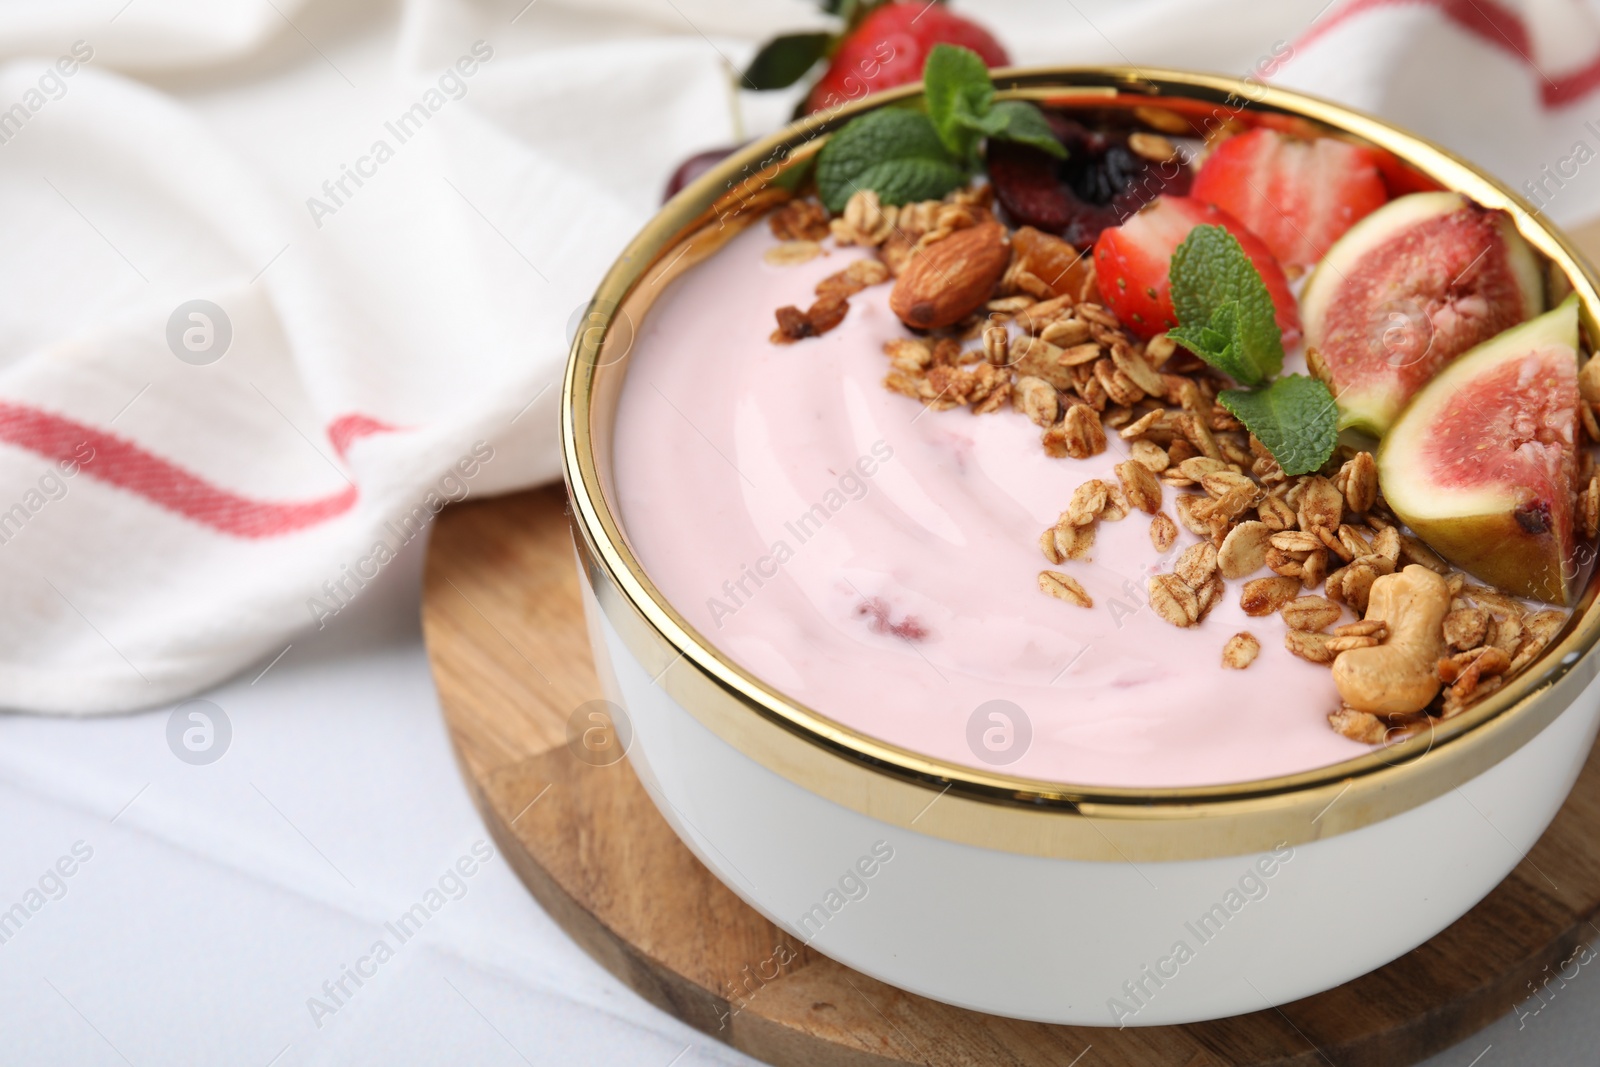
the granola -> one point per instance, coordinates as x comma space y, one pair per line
1311, 549
1064, 587
1323, 553
799, 220
1240, 651
832, 303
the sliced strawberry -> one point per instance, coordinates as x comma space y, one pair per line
1401, 178
1298, 195
888, 49
1131, 261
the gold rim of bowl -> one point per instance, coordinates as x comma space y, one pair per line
988, 808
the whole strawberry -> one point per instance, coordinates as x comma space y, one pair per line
881, 45
888, 48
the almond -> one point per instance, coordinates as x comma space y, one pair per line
950, 279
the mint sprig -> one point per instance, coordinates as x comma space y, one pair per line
1226, 317
961, 104
1212, 276
905, 155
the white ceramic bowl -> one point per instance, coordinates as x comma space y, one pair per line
1046, 900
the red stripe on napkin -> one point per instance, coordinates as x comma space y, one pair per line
1491, 23
119, 462
347, 429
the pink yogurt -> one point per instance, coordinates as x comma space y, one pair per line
878, 562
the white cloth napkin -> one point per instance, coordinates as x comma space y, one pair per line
272, 290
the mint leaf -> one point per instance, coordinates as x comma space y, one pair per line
1212, 341
959, 93
895, 153
1210, 269
1217, 342
906, 181
1020, 121
1295, 417
784, 60
961, 103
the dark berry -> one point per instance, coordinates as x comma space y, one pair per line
1098, 185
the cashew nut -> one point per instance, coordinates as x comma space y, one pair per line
1399, 676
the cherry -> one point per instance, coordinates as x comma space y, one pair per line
693, 167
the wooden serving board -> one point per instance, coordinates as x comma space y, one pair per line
506, 639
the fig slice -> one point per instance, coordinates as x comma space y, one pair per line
1405, 291
1483, 463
